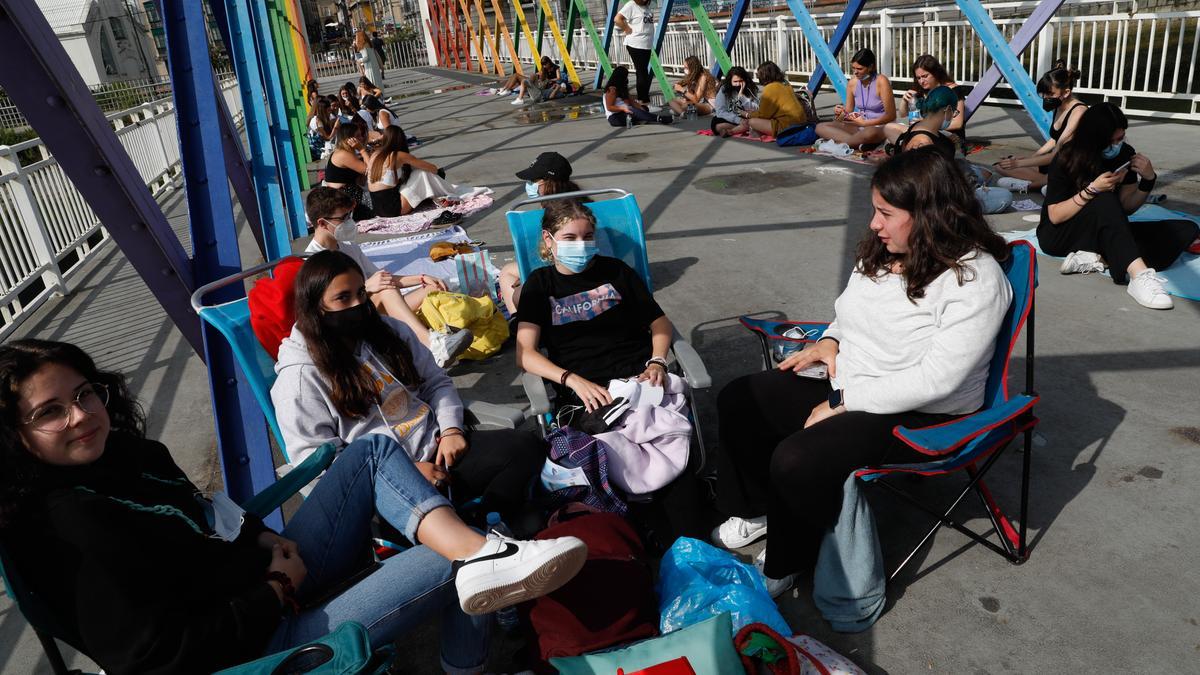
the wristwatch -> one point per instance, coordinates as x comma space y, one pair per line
835, 398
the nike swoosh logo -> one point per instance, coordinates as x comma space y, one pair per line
510, 549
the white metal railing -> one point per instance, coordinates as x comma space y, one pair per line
341, 61
46, 226
1145, 61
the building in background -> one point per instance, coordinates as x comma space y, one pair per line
107, 40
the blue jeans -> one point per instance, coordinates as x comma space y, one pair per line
332, 530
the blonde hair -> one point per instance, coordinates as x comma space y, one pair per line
360, 39
557, 214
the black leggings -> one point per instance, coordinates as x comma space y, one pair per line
641, 68
1102, 227
499, 466
386, 203
770, 464
617, 119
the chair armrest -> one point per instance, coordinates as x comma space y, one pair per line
690, 362
291, 482
941, 439
535, 391
493, 415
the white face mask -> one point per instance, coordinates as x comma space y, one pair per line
346, 230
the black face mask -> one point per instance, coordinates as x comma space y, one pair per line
349, 322
1049, 104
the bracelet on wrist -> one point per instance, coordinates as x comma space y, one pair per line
562, 380
1147, 184
452, 431
286, 590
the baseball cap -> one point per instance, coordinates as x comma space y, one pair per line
547, 165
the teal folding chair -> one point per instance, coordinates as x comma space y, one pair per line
620, 234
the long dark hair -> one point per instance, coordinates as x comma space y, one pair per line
1061, 76
321, 112
351, 93
18, 361
352, 388
393, 142
947, 221
865, 58
751, 89
1079, 158
929, 64
620, 81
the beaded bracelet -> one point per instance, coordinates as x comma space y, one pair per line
563, 379
286, 589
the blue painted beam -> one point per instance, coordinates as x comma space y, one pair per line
610, 24
1025, 35
828, 62
268, 180
1007, 62
731, 31
241, 427
48, 90
840, 34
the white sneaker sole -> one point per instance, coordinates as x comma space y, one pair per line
736, 543
496, 593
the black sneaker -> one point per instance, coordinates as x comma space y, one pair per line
447, 218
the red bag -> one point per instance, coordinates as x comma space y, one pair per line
272, 303
610, 602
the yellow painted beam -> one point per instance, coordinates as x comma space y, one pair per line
471, 36
487, 36
537, 58
562, 46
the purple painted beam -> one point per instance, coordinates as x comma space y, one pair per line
1020, 42
239, 172
50, 93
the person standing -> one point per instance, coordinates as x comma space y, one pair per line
377, 45
637, 22
369, 64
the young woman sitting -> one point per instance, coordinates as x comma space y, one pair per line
321, 127
913, 334
346, 169
346, 372
549, 174
1057, 89
778, 107
1095, 182
698, 88
367, 88
619, 106
938, 110
927, 74
404, 181
542, 80
736, 94
127, 556
870, 105
382, 117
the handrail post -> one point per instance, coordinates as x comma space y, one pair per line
31, 217
781, 44
885, 66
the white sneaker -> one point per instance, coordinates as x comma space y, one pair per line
518, 101
508, 571
775, 587
1147, 288
502, 92
1014, 184
447, 347
738, 532
654, 109
1082, 262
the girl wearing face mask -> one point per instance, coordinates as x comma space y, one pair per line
938, 111
592, 313
346, 372
927, 74
1057, 89
736, 94
1095, 182
151, 576
870, 105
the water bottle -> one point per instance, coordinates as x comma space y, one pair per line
914, 113
508, 618
628, 120
691, 111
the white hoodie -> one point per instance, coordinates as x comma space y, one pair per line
308, 418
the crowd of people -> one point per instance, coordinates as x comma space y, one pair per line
151, 575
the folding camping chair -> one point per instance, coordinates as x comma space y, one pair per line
964, 443
619, 234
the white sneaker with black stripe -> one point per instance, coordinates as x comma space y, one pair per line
509, 571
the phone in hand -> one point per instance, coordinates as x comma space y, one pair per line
816, 371
1121, 168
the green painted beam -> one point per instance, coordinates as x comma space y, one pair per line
710, 33
664, 82
291, 87
569, 28
541, 28
601, 54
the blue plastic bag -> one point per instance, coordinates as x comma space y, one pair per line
697, 581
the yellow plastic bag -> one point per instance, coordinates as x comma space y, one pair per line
441, 309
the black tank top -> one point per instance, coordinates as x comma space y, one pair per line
943, 144
1056, 133
339, 174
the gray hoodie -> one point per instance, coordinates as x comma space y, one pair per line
308, 418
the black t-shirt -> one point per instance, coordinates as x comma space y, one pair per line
1060, 186
595, 323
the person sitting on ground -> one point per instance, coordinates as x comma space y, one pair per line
736, 94
698, 88
346, 372
543, 79
1095, 182
912, 338
412, 180
561, 87
870, 105
346, 169
778, 107
549, 174
938, 110
619, 107
321, 128
330, 213
927, 74
125, 553
367, 88
381, 116
1057, 89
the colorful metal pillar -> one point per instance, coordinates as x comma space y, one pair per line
241, 428
840, 34
562, 47
487, 38
1007, 62
474, 37
523, 24
572, 18
435, 34
49, 91
740, 9
292, 90
454, 39
1029, 30
610, 24
660, 32
710, 34
541, 29
825, 56
502, 28
606, 66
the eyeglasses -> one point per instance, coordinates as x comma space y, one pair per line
54, 417
338, 219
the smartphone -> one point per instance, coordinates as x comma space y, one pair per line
816, 371
1121, 168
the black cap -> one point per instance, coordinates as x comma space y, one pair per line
547, 165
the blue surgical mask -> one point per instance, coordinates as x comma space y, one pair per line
946, 123
531, 190
1112, 151
575, 255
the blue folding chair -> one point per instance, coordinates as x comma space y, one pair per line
972, 443
619, 234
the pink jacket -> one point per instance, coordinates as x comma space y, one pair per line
648, 448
